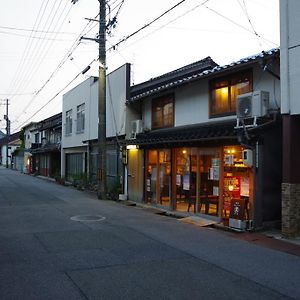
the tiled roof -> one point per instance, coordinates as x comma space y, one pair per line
169, 78
190, 133
163, 83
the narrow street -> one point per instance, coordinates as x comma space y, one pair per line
47, 251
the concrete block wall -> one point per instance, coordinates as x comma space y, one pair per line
290, 209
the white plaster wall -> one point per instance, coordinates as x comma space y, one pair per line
191, 104
192, 101
264, 81
290, 55
117, 86
29, 131
86, 92
11, 149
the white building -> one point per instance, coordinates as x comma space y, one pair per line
80, 125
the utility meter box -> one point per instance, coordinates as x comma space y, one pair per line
248, 157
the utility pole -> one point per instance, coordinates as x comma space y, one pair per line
101, 40
7, 131
102, 103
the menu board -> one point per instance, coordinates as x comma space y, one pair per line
245, 186
232, 186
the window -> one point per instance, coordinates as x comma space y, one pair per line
112, 163
80, 118
69, 121
37, 138
224, 91
163, 112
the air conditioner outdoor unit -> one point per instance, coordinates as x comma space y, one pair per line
252, 105
136, 127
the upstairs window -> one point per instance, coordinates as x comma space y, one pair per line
37, 138
69, 122
163, 112
80, 118
224, 91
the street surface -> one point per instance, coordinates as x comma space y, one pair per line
129, 253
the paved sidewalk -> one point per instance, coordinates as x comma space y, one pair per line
268, 240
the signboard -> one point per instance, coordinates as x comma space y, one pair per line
231, 190
237, 209
245, 186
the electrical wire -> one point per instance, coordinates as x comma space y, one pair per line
52, 98
28, 73
147, 25
244, 9
239, 25
44, 49
34, 37
134, 33
164, 25
66, 57
35, 31
28, 45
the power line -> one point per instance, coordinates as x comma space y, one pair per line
164, 25
239, 25
60, 65
39, 62
146, 25
35, 31
37, 46
129, 36
34, 37
66, 57
28, 45
52, 98
44, 48
244, 9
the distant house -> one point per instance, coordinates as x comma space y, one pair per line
45, 140
31, 141
207, 141
7, 147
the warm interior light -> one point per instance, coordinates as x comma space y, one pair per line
224, 90
230, 188
184, 151
131, 147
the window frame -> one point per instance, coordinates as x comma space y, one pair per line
161, 102
80, 118
69, 122
232, 80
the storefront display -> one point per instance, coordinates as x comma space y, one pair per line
202, 180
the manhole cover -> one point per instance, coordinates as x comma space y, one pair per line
88, 218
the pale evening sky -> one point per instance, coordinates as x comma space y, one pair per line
40, 54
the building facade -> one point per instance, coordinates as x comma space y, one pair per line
45, 150
80, 148
290, 109
204, 149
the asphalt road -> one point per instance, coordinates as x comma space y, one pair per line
129, 253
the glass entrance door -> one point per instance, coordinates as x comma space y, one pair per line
158, 177
197, 180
